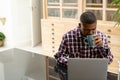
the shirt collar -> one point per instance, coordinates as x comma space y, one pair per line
78, 32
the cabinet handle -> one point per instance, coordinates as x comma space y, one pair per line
53, 51
109, 36
52, 29
52, 24
53, 42
53, 33
53, 47
109, 30
109, 41
53, 38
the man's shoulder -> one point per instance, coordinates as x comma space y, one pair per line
72, 31
100, 33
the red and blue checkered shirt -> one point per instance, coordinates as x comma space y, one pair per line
73, 45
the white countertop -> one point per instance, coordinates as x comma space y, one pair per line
37, 49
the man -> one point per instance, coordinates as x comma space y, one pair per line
73, 44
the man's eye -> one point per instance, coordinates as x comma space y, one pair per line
87, 30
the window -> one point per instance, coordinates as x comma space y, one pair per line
62, 9
71, 9
102, 9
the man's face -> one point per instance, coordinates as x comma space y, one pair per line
87, 29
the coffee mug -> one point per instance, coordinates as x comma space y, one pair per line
90, 40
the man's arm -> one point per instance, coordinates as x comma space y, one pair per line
61, 55
106, 53
104, 48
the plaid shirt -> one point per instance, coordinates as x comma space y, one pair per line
73, 45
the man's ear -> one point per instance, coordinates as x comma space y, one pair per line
79, 24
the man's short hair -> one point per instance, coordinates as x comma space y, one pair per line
88, 18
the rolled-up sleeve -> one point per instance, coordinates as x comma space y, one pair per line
105, 50
106, 53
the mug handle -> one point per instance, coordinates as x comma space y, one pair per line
85, 40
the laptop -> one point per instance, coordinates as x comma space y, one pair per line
87, 68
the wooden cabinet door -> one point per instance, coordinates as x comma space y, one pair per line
36, 30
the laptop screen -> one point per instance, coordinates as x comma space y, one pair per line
87, 68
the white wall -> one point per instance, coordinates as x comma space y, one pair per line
21, 21
18, 27
5, 11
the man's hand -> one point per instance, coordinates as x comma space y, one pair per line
98, 40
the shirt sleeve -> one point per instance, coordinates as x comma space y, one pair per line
61, 55
105, 50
